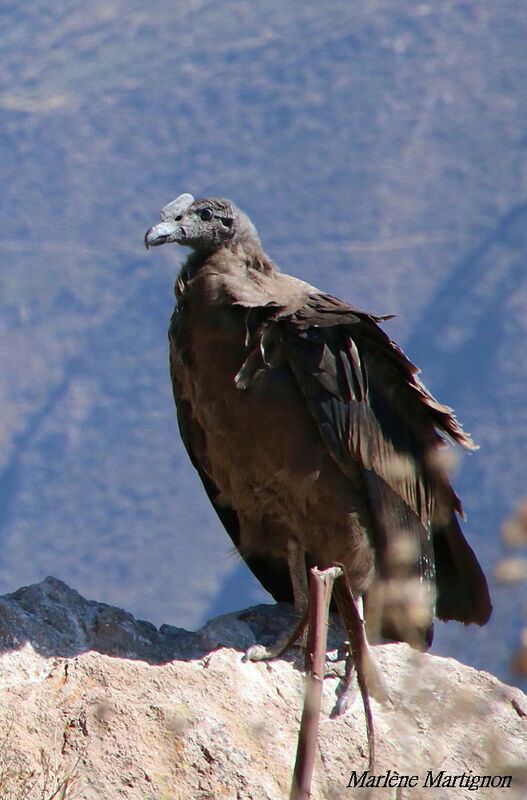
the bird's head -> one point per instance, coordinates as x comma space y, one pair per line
205, 225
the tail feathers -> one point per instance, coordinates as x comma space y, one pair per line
462, 590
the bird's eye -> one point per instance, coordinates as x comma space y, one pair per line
206, 214
179, 217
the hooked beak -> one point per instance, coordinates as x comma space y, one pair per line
169, 229
162, 233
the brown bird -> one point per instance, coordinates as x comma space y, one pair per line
314, 438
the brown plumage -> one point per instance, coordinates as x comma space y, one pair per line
313, 437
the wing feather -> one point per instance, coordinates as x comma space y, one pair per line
371, 407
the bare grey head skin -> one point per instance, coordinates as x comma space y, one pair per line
206, 225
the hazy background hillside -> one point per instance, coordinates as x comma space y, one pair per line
380, 148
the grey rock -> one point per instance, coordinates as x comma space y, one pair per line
58, 621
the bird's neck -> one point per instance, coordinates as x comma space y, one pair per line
238, 258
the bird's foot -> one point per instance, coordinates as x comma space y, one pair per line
347, 690
259, 652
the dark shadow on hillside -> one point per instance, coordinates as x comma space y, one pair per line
462, 326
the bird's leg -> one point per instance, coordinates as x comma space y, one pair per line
368, 676
347, 689
297, 572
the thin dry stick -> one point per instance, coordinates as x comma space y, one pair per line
320, 588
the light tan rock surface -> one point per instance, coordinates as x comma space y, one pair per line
203, 724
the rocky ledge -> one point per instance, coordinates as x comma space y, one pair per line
98, 705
